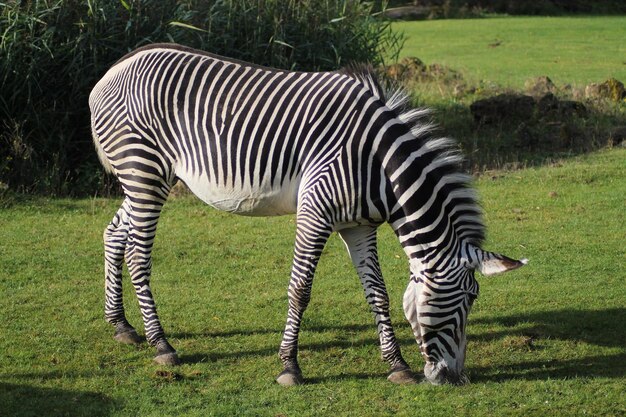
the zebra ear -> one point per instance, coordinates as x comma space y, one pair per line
489, 263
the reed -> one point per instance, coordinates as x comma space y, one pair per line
53, 51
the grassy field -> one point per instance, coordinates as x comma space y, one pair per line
548, 339
508, 51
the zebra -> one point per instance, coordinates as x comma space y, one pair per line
334, 148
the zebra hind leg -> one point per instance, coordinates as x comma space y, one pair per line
115, 238
311, 236
361, 244
144, 216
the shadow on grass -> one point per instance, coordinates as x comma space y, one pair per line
252, 332
607, 366
314, 347
25, 400
595, 327
365, 335
604, 328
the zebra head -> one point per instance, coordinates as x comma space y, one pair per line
437, 302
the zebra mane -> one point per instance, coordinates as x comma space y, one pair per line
395, 98
422, 127
366, 76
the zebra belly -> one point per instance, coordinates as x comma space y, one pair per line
261, 201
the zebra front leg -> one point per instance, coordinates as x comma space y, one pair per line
311, 236
361, 244
115, 239
143, 223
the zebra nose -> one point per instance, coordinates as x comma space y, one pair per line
439, 374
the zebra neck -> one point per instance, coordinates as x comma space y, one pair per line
428, 246
434, 210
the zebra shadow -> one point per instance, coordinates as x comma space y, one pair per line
531, 332
525, 333
334, 344
276, 331
359, 336
26, 400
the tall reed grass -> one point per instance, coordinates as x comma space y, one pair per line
53, 51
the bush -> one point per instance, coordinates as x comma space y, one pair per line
53, 52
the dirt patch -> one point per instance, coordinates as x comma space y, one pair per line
611, 89
497, 127
540, 86
502, 107
413, 69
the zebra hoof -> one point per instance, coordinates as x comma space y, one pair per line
128, 338
289, 378
170, 359
403, 377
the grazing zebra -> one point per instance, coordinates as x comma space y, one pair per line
330, 147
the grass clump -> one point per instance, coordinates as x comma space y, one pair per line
543, 107
499, 127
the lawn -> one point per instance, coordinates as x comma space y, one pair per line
508, 51
547, 339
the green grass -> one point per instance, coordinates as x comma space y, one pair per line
570, 50
547, 339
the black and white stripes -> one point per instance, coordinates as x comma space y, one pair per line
331, 147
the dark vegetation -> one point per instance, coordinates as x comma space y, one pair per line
53, 52
434, 9
500, 127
